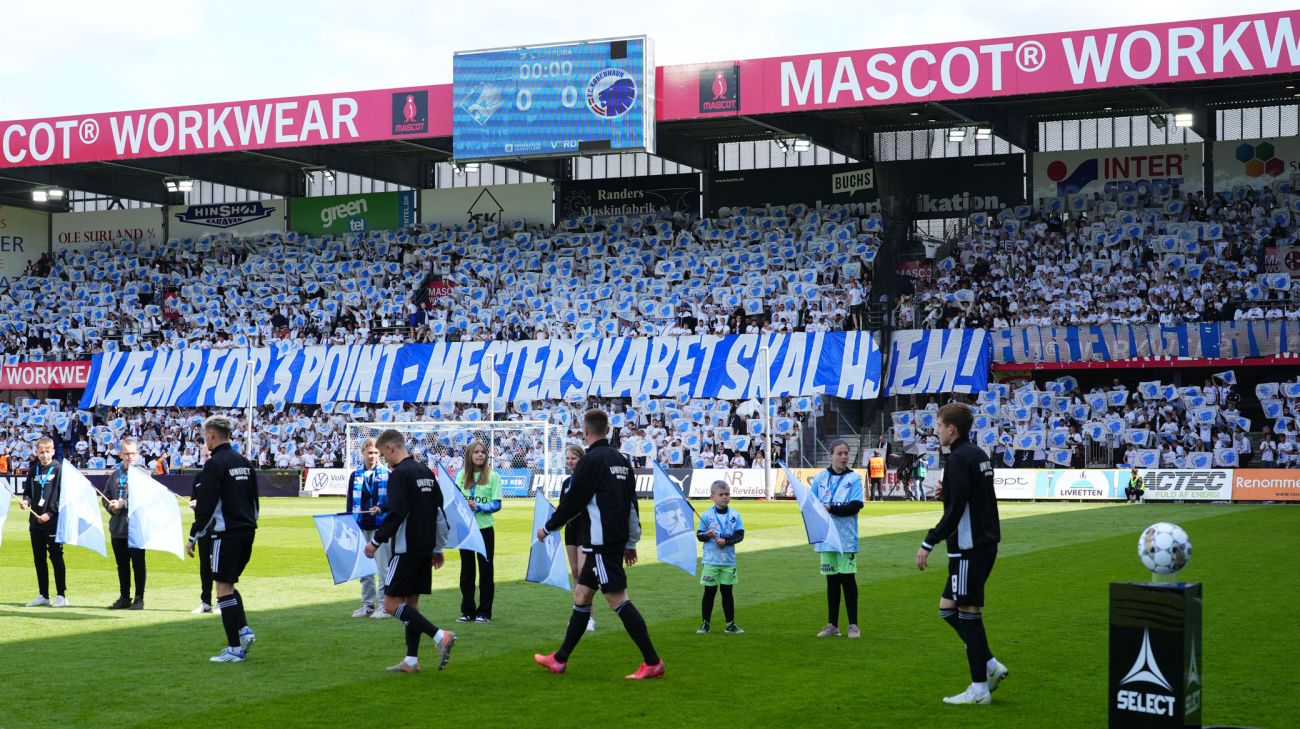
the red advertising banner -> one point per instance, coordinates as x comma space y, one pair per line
363, 116
1282, 259
44, 376
1266, 484
1185, 51
919, 270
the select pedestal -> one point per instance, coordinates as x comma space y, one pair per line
1155, 655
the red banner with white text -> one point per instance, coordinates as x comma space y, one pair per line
44, 376
362, 116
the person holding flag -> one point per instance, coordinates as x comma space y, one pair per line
41, 496
418, 528
721, 529
839, 489
575, 532
227, 509
204, 545
605, 488
368, 498
482, 487
116, 502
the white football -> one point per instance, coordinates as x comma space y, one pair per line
1164, 548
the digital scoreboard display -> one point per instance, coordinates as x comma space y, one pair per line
565, 99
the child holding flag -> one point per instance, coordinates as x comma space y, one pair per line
840, 490
482, 487
720, 529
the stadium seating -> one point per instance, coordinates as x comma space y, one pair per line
1079, 260
1152, 425
783, 269
691, 433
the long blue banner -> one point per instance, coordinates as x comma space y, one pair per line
938, 360
843, 364
1126, 341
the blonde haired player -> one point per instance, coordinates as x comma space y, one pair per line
721, 528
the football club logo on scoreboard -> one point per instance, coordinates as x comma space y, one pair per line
483, 102
410, 112
611, 93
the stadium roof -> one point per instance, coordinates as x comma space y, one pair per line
836, 99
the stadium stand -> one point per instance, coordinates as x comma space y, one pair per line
694, 433
638, 276
1152, 425
1079, 261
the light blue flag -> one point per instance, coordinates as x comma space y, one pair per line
674, 524
546, 558
80, 523
463, 530
5, 498
154, 520
345, 547
816, 519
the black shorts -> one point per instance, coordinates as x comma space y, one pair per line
230, 554
604, 571
409, 575
966, 578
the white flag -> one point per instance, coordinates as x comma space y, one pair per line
154, 519
463, 531
5, 498
81, 523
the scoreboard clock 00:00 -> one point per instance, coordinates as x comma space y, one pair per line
564, 99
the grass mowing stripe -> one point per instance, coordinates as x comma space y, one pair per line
1047, 619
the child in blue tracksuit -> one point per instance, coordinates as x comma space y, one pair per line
720, 529
368, 499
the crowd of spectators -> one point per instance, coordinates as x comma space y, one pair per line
778, 270
1077, 261
1152, 425
691, 433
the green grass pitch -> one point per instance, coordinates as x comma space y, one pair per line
313, 665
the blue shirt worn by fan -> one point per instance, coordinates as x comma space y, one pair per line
726, 525
839, 490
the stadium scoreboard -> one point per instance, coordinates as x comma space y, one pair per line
561, 99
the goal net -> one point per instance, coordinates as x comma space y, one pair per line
526, 455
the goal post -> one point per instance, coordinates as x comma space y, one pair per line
526, 455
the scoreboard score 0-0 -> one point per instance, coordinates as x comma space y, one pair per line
563, 99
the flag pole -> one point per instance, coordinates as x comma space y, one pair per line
249, 389
767, 419
492, 404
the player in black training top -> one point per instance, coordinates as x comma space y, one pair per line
226, 509
418, 530
575, 532
604, 488
970, 525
